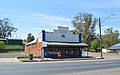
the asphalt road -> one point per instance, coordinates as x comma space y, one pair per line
104, 67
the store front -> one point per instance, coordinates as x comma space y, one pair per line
67, 50
61, 41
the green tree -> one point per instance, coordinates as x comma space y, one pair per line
2, 45
95, 45
110, 37
6, 28
30, 38
85, 23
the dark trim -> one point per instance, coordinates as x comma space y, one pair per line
80, 39
43, 35
45, 52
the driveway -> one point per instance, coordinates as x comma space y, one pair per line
105, 55
9, 57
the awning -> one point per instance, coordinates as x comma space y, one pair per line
64, 44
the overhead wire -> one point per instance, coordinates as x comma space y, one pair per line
60, 6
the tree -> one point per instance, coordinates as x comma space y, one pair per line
84, 23
95, 45
30, 38
6, 28
110, 37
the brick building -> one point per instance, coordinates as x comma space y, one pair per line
61, 40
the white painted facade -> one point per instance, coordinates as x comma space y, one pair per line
61, 35
40, 37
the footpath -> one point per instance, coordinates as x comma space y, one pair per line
107, 56
9, 60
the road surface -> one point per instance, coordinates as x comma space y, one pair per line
104, 67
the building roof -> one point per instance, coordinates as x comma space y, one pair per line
115, 47
2, 39
32, 42
10, 39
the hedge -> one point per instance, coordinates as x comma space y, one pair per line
26, 56
9, 48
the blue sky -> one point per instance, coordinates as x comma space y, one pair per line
32, 16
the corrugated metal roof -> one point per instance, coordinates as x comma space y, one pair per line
32, 42
2, 39
60, 44
116, 46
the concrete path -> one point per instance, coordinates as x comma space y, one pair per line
10, 60
10, 55
105, 55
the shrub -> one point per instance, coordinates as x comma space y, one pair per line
23, 57
95, 45
2, 45
11, 49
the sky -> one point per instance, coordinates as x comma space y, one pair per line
32, 16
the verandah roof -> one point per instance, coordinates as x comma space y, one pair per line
65, 44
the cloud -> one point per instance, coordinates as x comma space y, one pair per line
52, 17
39, 20
34, 15
34, 23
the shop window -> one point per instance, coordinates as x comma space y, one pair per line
52, 51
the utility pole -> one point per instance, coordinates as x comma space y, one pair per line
100, 37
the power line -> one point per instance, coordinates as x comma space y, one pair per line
113, 18
60, 6
107, 18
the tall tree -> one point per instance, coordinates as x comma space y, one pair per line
110, 37
6, 28
30, 38
85, 23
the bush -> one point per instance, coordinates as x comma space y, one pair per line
12, 48
23, 57
95, 45
2, 45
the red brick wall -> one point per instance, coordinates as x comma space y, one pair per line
33, 48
